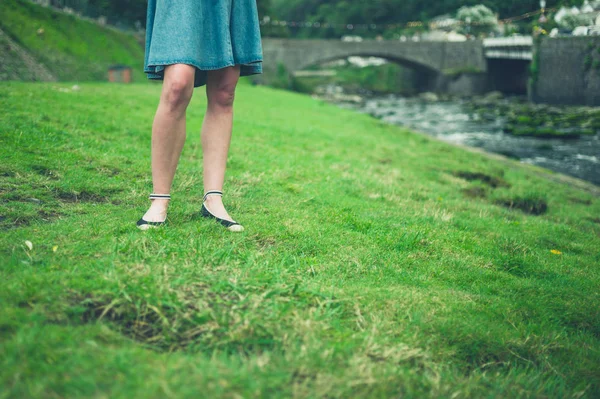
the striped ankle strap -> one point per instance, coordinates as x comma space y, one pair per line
160, 196
212, 192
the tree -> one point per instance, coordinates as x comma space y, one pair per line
477, 20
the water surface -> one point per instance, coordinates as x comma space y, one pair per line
452, 121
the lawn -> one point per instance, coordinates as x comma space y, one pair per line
376, 262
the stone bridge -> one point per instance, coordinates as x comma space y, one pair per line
567, 69
428, 57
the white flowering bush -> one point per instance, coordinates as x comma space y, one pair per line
571, 20
477, 20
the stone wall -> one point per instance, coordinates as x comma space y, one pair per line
568, 71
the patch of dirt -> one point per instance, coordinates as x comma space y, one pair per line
531, 206
302, 377
109, 171
160, 325
474, 192
84, 196
580, 201
263, 242
7, 223
492, 181
45, 171
197, 316
48, 216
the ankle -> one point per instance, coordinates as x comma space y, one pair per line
214, 199
159, 205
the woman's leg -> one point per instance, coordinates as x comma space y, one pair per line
216, 133
168, 133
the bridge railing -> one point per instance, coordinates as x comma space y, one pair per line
516, 48
518, 41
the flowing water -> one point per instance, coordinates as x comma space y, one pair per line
452, 121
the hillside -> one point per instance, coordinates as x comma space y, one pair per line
376, 262
70, 49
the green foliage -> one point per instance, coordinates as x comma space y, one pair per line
534, 67
456, 72
387, 78
283, 78
125, 13
545, 121
384, 12
591, 61
375, 263
129, 13
587, 62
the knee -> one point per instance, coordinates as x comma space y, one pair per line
222, 96
177, 94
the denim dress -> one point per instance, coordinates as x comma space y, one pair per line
208, 34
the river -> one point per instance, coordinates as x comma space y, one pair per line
452, 121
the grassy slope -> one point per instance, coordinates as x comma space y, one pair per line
70, 48
365, 270
13, 68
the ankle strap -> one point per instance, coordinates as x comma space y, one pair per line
160, 196
213, 192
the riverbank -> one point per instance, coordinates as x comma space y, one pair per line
375, 263
563, 139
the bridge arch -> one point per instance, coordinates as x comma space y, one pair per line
408, 63
417, 77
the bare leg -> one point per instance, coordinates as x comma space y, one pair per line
216, 133
168, 134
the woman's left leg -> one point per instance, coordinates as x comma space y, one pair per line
216, 133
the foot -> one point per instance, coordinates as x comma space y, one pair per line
214, 204
157, 211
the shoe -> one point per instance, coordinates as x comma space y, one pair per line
229, 224
144, 224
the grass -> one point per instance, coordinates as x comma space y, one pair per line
375, 263
71, 48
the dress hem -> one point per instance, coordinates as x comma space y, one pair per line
154, 69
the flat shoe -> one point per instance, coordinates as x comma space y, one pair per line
230, 225
143, 224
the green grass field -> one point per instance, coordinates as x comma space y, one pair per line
376, 262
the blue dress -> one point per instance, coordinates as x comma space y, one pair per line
208, 34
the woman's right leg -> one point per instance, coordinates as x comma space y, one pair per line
168, 134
